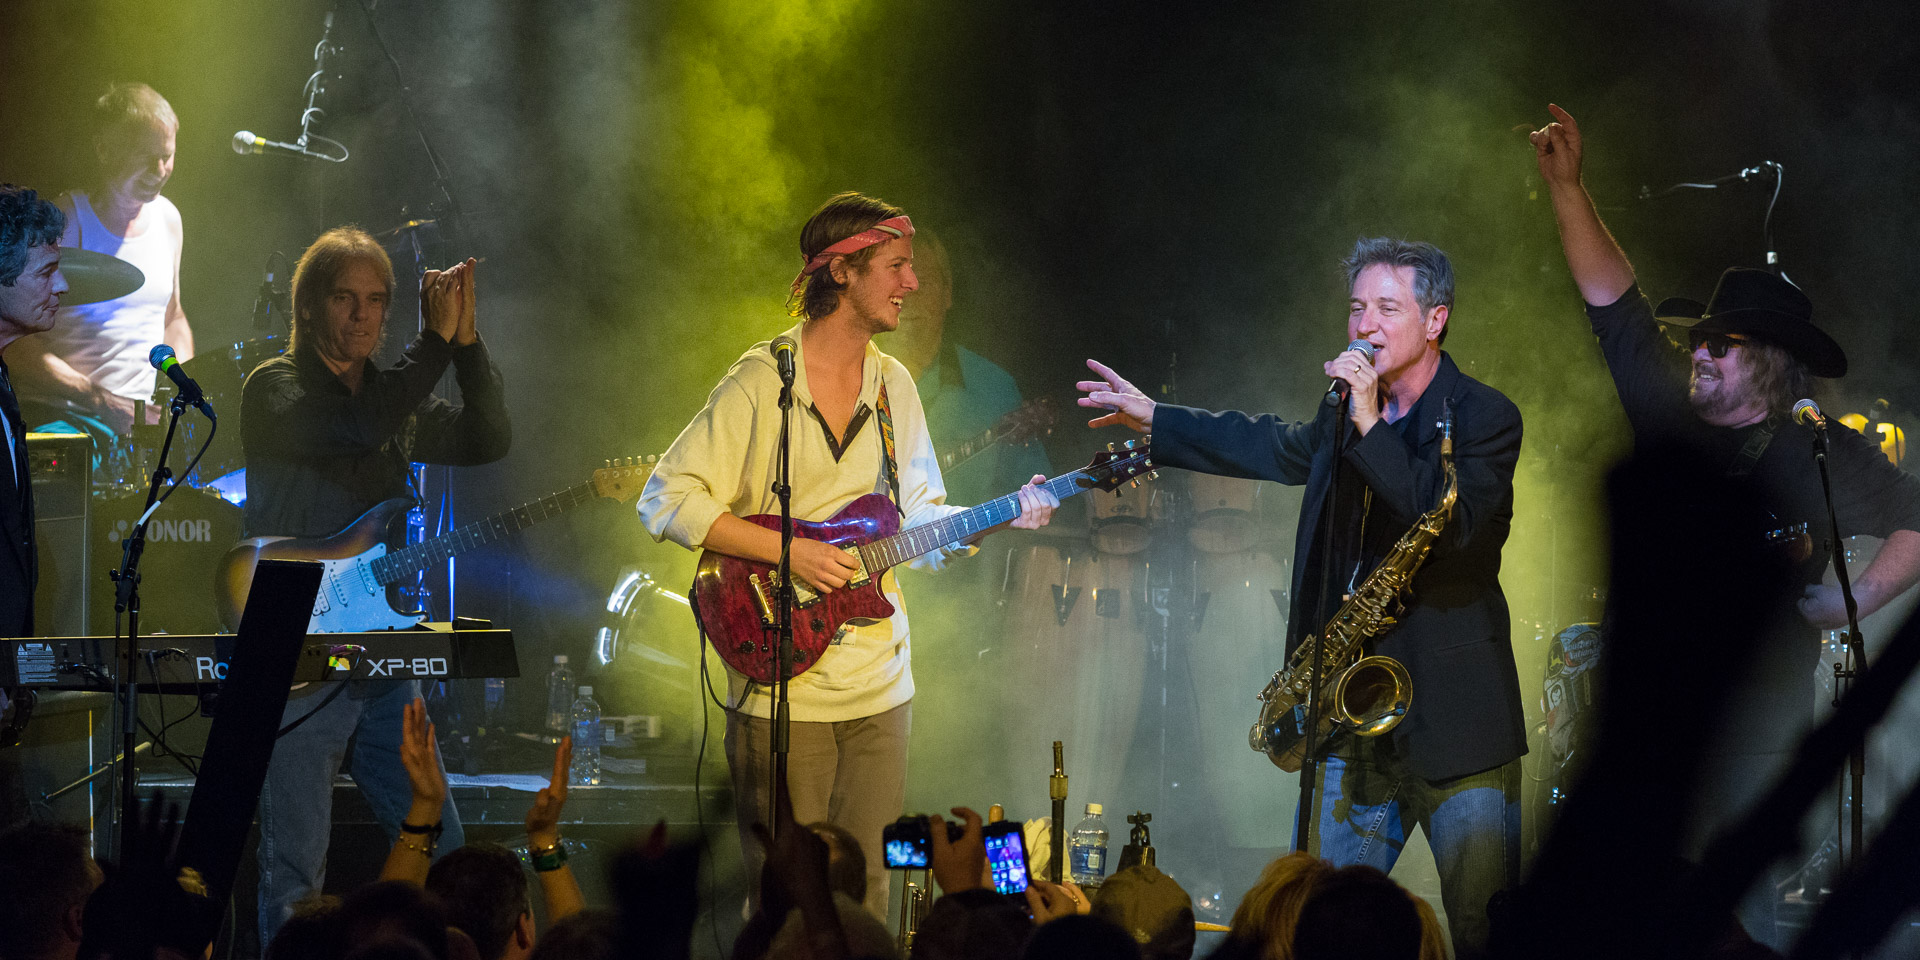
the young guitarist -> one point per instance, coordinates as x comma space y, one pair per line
858, 429
329, 435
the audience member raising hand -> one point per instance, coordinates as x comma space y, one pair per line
544, 846
412, 851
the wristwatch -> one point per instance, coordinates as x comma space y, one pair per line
549, 858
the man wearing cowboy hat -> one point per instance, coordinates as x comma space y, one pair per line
1754, 352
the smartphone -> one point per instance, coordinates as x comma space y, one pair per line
1006, 856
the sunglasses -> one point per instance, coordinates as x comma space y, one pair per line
1716, 343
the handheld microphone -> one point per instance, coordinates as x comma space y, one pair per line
163, 360
1807, 414
247, 142
1337, 391
783, 351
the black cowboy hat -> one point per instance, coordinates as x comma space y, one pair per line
1758, 304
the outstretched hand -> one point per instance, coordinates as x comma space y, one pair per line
420, 754
1556, 147
1113, 392
543, 818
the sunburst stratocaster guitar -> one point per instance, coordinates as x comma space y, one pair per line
354, 590
738, 600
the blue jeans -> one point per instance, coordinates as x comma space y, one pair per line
1369, 805
296, 803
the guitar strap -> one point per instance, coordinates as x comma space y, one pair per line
892, 466
1749, 455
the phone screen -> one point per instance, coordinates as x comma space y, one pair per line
1007, 858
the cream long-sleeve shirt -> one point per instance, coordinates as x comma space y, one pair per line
724, 462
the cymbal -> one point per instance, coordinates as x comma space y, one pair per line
93, 277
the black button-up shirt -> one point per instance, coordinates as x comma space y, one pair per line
319, 455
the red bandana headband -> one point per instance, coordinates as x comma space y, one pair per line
895, 228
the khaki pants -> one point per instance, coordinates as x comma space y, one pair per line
852, 773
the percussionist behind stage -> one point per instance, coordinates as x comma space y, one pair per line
93, 363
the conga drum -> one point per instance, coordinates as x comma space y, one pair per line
1121, 523
1078, 657
1226, 513
1237, 645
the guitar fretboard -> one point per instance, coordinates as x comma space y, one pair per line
907, 544
410, 560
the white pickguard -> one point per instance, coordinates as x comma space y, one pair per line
352, 601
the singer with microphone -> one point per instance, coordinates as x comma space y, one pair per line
857, 429
1371, 465
93, 363
329, 435
1753, 352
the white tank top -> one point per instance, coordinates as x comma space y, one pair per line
108, 342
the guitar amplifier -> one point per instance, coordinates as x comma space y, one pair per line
61, 465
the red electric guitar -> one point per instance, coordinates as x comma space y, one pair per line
738, 601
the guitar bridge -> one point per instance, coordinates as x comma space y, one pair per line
766, 595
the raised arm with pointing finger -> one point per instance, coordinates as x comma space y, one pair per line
1599, 266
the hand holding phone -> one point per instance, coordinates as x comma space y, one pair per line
1006, 856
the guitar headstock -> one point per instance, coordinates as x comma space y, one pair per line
1033, 420
623, 478
1120, 463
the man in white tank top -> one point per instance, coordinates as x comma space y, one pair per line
94, 361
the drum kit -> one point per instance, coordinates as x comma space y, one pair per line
200, 523
1182, 578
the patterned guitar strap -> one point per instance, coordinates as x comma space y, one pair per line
886, 443
1749, 455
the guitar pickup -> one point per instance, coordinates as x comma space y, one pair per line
859, 578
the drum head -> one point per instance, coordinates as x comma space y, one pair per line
1122, 522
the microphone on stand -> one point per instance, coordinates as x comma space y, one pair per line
247, 142
1337, 391
783, 348
1807, 414
163, 359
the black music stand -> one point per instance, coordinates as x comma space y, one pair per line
246, 723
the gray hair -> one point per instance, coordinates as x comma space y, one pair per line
1432, 272
26, 221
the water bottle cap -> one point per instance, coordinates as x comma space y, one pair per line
586, 691
559, 658
1094, 809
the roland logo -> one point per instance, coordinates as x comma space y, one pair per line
166, 531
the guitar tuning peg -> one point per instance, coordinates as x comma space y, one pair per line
1109, 448
609, 464
1153, 475
1134, 483
1129, 444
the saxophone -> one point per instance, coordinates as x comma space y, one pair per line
1366, 695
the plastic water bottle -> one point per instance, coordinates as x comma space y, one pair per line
559, 696
586, 740
1087, 849
494, 707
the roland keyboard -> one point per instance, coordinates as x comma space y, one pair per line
191, 663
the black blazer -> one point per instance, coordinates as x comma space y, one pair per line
1454, 637
19, 564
